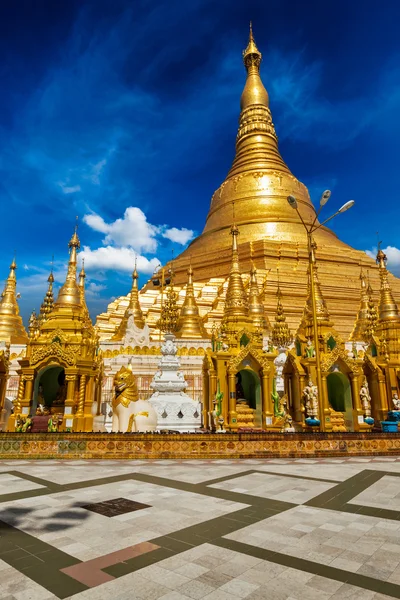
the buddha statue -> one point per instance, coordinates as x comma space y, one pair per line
240, 398
61, 395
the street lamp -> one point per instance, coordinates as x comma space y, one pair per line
310, 229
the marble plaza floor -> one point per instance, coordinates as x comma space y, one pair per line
279, 529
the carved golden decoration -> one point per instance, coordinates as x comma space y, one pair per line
54, 350
339, 353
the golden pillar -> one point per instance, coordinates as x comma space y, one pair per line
267, 409
232, 415
357, 408
26, 401
68, 421
325, 414
213, 391
223, 384
79, 415
17, 404
300, 417
206, 399
88, 406
383, 408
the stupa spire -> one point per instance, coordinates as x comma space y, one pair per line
11, 327
256, 307
388, 310
361, 324
236, 302
190, 324
323, 316
69, 295
133, 308
82, 277
372, 315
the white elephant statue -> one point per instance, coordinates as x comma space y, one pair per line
130, 413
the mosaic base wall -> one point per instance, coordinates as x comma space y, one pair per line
184, 446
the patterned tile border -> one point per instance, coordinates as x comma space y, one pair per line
65, 575
186, 446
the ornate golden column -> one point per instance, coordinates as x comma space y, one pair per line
357, 408
324, 405
206, 399
267, 410
383, 409
68, 421
79, 415
212, 392
26, 402
17, 404
232, 415
88, 404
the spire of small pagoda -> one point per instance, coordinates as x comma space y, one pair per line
69, 295
388, 310
48, 301
190, 324
133, 308
281, 336
168, 320
11, 326
82, 277
236, 301
372, 315
361, 324
256, 306
323, 316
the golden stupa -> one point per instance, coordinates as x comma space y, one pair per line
271, 233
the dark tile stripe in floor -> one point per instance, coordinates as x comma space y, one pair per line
47, 572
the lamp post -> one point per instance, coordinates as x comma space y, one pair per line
310, 229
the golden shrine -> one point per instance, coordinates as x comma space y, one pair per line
280, 327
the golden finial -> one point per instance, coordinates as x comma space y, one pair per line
372, 314
359, 333
133, 309
11, 327
388, 310
69, 294
256, 306
236, 301
254, 92
251, 55
48, 301
190, 324
168, 321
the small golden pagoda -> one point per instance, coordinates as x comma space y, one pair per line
359, 333
256, 306
62, 363
133, 309
237, 372
12, 329
190, 324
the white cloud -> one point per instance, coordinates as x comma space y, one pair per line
393, 256
179, 236
118, 259
69, 189
93, 289
132, 230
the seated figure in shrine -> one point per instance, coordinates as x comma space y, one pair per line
240, 398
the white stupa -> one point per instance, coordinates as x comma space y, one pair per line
175, 409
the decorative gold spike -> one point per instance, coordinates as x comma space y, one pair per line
168, 321
69, 294
359, 333
133, 309
236, 302
256, 307
190, 325
11, 326
388, 309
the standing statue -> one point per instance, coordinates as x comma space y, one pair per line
310, 350
365, 398
276, 400
310, 400
217, 412
130, 413
396, 402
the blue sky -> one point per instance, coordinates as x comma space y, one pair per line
124, 113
